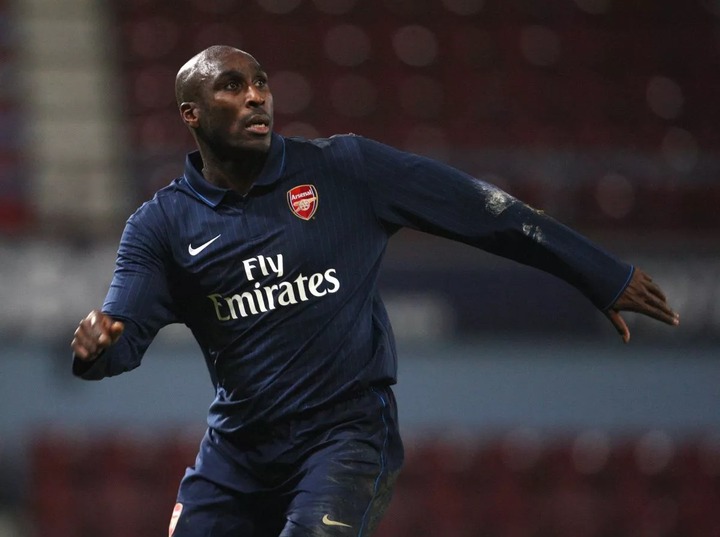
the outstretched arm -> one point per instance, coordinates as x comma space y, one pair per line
642, 295
416, 192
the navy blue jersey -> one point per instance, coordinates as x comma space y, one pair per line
279, 287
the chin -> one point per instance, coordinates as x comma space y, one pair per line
257, 144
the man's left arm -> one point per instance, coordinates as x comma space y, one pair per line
427, 195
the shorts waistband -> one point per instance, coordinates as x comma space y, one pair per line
263, 432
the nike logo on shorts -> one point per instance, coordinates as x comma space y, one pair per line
328, 522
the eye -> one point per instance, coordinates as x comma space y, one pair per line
233, 85
261, 82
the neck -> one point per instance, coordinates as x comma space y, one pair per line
237, 173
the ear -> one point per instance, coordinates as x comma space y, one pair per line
190, 114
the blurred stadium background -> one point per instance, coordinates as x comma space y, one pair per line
523, 414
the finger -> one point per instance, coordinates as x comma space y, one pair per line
670, 317
651, 304
657, 300
91, 336
83, 348
667, 315
102, 327
660, 312
87, 334
85, 339
94, 334
116, 329
655, 291
619, 324
98, 327
643, 285
79, 350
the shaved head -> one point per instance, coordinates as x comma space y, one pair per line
198, 69
224, 99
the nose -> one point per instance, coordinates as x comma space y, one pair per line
255, 96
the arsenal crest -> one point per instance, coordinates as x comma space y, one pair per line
303, 201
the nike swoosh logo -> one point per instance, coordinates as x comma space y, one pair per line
195, 251
326, 520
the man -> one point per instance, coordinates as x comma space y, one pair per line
268, 249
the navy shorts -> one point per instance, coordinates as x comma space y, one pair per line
330, 473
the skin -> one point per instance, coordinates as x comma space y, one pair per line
644, 296
224, 99
94, 334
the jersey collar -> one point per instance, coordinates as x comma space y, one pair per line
213, 195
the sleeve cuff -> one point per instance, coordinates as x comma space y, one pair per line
94, 370
622, 289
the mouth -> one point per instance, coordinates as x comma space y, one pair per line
258, 124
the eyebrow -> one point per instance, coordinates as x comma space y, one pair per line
235, 73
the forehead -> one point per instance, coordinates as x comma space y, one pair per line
233, 60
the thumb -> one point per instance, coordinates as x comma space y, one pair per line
116, 330
619, 324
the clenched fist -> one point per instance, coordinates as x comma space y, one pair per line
94, 334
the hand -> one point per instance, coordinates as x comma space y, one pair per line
642, 295
95, 333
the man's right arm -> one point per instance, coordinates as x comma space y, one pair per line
113, 340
